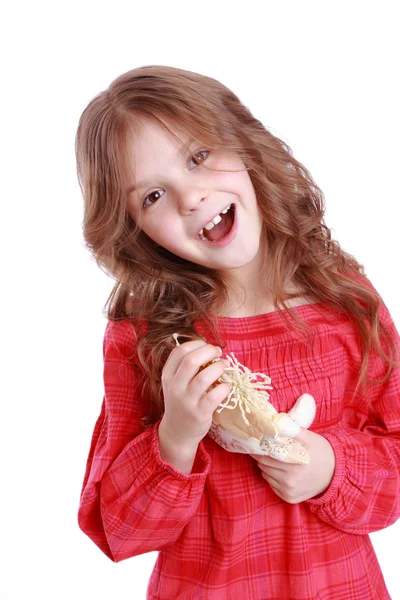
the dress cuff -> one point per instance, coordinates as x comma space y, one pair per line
338, 476
201, 465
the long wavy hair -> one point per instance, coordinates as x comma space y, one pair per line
161, 293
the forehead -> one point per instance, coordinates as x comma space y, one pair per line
149, 137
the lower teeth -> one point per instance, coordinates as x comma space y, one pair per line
205, 239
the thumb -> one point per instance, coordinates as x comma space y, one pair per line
303, 435
308, 438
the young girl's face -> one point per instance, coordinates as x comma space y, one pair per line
176, 196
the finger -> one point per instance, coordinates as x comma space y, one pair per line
175, 357
195, 359
273, 483
206, 377
304, 437
187, 360
268, 461
271, 472
216, 395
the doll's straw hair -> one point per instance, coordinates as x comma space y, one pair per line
245, 392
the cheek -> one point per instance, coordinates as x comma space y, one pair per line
243, 186
164, 231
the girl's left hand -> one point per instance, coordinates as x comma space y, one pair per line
296, 483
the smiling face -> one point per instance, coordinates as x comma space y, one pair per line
176, 195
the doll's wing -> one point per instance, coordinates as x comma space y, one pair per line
303, 411
300, 415
283, 447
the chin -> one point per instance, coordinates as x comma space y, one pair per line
231, 264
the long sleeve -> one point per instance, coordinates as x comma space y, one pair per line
132, 502
364, 494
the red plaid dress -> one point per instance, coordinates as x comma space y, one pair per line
221, 532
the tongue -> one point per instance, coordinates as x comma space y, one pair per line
222, 229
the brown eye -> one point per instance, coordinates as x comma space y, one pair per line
199, 157
157, 195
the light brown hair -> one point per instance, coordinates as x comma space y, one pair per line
162, 293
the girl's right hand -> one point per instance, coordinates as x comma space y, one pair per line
188, 406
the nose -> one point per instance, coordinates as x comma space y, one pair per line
190, 198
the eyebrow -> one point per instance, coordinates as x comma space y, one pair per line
181, 152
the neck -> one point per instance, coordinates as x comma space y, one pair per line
256, 302
245, 302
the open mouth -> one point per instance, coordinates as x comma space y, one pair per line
223, 231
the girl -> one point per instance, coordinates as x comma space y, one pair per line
212, 229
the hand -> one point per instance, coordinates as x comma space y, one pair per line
188, 405
296, 483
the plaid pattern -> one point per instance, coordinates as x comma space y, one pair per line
221, 532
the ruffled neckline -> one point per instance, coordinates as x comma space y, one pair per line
274, 322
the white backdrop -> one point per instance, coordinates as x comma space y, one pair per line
323, 76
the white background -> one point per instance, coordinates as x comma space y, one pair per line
323, 76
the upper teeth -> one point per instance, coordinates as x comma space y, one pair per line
215, 220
